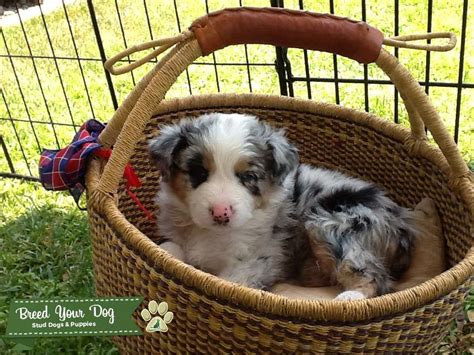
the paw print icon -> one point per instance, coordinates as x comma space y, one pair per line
157, 316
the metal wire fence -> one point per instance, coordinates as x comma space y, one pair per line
53, 79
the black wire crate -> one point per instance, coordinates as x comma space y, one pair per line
53, 78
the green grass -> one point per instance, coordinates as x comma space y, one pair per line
44, 243
45, 252
413, 17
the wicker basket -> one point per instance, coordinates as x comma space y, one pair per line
215, 316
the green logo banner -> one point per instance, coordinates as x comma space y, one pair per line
72, 317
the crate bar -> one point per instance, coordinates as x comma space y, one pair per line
235, 63
366, 71
48, 57
38, 122
247, 60
380, 81
283, 64
148, 20
178, 22
124, 61
21, 92
18, 176
152, 37
289, 73
281, 71
396, 30
7, 155
37, 76
249, 77
78, 59
15, 131
334, 61
279, 58
428, 53
306, 61
461, 71
103, 58
214, 55
56, 65
124, 39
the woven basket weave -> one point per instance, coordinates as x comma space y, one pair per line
215, 316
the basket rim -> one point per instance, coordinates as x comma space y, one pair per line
369, 120
266, 302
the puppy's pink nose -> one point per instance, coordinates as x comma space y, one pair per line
221, 213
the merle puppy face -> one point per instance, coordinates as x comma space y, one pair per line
223, 167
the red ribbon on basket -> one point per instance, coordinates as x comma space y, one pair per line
132, 181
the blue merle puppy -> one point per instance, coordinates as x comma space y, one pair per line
235, 202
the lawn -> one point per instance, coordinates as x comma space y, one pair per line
44, 241
45, 252
72, 104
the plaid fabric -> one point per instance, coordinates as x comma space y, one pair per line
65, 169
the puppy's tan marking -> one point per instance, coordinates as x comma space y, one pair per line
180, 186
319, 268
241, 165
354, 280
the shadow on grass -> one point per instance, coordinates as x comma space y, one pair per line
46, 253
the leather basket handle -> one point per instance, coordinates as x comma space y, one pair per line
288, 28
280, 27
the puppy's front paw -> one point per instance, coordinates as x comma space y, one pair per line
350, 295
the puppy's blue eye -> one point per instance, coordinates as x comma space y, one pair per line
197, 175
249, 179
247, 176
196, 170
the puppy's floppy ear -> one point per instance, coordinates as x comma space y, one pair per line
164, 149
284, 155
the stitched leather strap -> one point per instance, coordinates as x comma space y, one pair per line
288, 28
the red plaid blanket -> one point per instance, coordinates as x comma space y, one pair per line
65, 169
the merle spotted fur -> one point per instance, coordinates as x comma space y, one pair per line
366, 236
